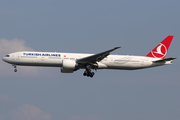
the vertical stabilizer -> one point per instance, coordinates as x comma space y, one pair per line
161, 50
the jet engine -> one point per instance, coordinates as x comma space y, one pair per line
66, 70
68, 66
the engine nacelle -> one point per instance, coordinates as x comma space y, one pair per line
66, 70
69, 64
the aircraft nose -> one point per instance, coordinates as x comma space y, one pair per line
4, 59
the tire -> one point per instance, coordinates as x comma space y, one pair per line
85, 73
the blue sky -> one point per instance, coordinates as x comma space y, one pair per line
89, 27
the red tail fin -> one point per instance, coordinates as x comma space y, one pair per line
161, 50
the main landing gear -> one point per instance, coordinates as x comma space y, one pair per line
88, 72
15, 70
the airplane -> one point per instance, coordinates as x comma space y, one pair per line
70, 62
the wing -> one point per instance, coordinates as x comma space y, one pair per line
96, 57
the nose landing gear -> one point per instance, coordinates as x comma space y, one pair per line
15, 70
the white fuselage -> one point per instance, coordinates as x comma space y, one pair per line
55, 59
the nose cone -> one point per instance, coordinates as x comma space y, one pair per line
3, 59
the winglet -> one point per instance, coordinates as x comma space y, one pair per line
117, 47
160, 51
114, 49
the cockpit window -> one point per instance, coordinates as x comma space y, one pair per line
7, 55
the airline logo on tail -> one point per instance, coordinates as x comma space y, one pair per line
161, 50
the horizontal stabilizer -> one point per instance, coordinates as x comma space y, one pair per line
164, 60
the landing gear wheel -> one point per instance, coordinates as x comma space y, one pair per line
15, 70
91, 74
85, 73
88, 74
